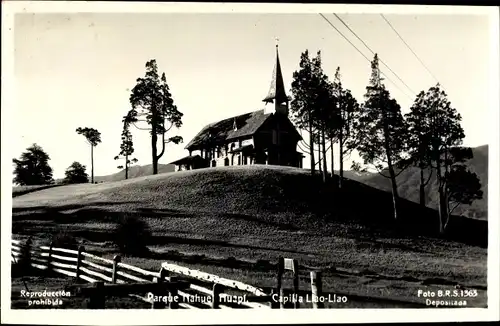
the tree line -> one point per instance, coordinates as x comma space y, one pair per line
429, 137
32, 168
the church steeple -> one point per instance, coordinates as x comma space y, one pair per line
277, 92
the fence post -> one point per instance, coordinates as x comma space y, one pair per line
174, 293
216, 291
116, 259
161, 291
25, 254
296, 282
316, 289
79, 261
97, 298
49, 258
163, 274
274, 304
279, 289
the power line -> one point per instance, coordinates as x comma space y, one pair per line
330, 23
416, 56
344, 37
359, 38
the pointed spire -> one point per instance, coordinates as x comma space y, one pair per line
277, 89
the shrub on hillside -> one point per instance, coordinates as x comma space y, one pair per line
131, 235
75, 173
64, 239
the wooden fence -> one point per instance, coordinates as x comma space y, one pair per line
195, 289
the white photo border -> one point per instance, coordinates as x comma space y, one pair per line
180, 317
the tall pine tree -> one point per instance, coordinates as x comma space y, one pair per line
419, 145
325, 114
93, 137
313, 108
347, 110
302, 105
152, 103
381, 131
126, 150
445, 135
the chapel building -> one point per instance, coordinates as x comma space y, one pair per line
265, 136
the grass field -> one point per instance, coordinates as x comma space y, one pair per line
236, 222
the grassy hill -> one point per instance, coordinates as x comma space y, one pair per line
236, 221
409, 182
268, 195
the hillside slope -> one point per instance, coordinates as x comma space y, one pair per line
267, 195
409, 182
23, 190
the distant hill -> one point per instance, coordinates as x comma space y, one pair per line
409, 182
135, 172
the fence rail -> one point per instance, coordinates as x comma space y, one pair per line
212, 278
196, 289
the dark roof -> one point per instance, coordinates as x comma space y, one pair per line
187, 160
247, 124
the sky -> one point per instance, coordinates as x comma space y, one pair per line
76, 70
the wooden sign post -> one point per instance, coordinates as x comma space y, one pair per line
292, 265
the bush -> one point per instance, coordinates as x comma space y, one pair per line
131, 235
64, 239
